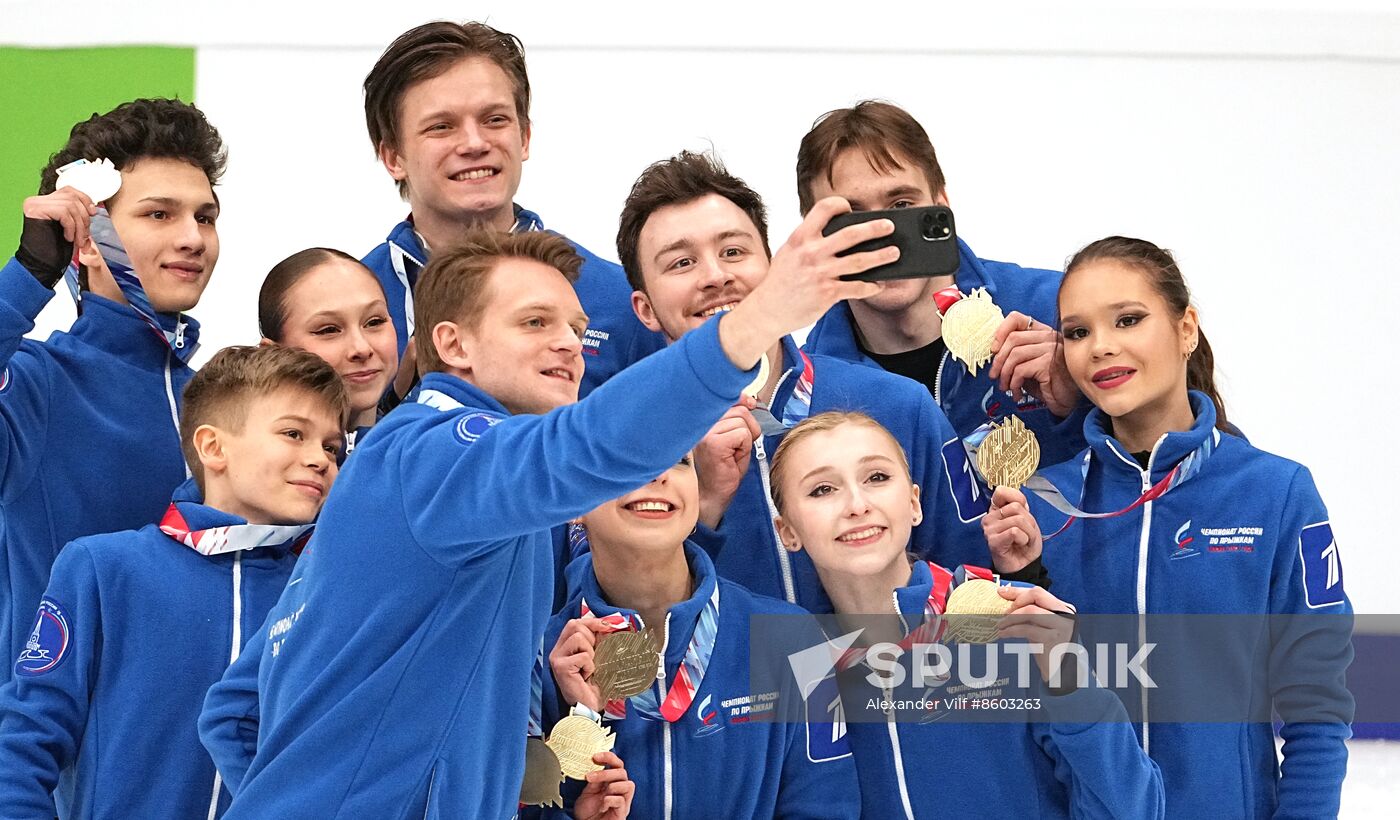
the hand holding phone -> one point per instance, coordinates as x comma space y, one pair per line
926, 237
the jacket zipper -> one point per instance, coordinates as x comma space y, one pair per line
170, 400
665, 724
1142, 583
893, 726
938, 381
234, 648
784, 562
666, 749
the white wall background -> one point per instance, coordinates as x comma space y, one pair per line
1257, 139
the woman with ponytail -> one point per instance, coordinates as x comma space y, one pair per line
1189, 518
324, 301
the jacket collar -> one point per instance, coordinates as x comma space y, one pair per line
912, 598
463, 391
1168, 451
792, 364
405, 236
199, 515
681, 617
112, 326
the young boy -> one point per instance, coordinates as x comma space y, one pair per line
135, 626
395, 675
88, 439
448, 111
690, 730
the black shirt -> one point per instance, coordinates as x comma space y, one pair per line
920, 364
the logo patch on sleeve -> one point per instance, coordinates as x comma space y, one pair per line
968, 494
1322, 566
471, 426
48, 642
5, 380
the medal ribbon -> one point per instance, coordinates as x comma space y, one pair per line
688, 675
534, 726
931, 628
104, 235
232, 537
1179, 474
577, 540
799, 404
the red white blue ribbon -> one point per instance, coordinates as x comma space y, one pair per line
689, 674
232, 537
1183, 471
799, 404
104, 236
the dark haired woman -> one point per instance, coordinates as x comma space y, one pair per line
1221, 528
326, 302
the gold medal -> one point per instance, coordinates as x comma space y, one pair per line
1009, 455
625, 663
575, 740
973, 610
970, 327
756, 386
542, 776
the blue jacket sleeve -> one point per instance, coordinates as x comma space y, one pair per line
531, 472
1097, 757
228, 726
1309, 654
44, 708
24, 381
809, 789
952, 498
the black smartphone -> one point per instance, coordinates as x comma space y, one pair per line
927, 240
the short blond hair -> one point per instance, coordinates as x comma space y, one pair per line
456, 284
222, 390
822, 423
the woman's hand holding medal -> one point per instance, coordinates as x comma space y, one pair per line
1038, 617
608, 795
1012, 534
572, 662
1030, 356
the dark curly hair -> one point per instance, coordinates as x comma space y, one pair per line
157, 128
686, 177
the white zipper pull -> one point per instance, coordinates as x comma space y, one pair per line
179, 335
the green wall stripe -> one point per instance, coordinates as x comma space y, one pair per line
44, 92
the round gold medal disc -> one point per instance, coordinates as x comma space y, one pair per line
970, 327
574, 741
1009, 455
973, 610
542, 776
625, 663
756, 386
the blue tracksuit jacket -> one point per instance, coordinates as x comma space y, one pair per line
615, 338
747, 549
970, 400
395, 675
133, 628
1246, 535
88, 438
1077, 759
714, 762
